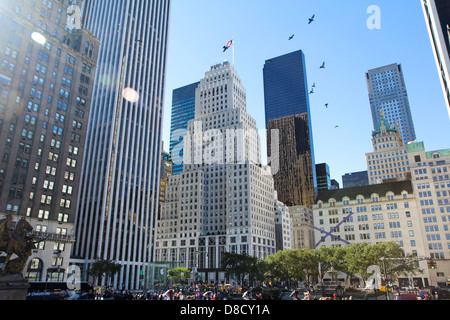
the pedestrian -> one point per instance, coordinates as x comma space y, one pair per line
248, 294
294, 295
168, 294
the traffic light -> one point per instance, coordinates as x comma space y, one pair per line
432, 265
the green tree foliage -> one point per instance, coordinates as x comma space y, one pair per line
303, 264
178, 274
239, 265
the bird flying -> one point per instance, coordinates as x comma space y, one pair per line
323, 65
311, 19
291, 37
326, 105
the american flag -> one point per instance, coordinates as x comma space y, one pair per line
227, 45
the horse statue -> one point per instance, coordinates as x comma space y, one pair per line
15, 241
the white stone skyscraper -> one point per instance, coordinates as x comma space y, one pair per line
223, 200
119, 191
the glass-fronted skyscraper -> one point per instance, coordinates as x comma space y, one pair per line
323, 177
389, 100
437, 18
285, 86
183, 110
121, 172
286, 94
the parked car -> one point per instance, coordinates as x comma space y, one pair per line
443, 293
408, 296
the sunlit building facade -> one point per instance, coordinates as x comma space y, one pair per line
437, 18
388, 99
119, 192
46, 84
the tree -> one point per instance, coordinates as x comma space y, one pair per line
178, 274
107, 268
238, 265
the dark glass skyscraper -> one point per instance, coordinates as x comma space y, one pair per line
286, 98
285, 86
323, 177
183, 110
121, 171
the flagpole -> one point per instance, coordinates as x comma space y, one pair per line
233, 49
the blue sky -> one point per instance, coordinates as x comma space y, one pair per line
340, 36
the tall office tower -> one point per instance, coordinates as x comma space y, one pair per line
437, 18
121, 172
295, 179
286, 94
389, 100
388, 162
183, 110
223, 199
323, 177
46, 83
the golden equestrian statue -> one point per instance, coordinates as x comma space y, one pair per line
15, 241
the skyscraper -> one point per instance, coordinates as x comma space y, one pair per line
46, 84
437, 18
389, 100
285, 86
183, 110
323, 177
286, 99
295, 180
223, 199
121, 172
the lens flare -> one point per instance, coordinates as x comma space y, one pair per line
130, 95
38, 37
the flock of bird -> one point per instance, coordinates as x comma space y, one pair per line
311, 20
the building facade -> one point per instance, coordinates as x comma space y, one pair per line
119, 192
295, 179
372, 214
283, 226
389, 160
286, 94
355, 179
183, 110
46, 84
323, 177
303, 236
223, 199
166, 172
430, 174
388, 99
437, 19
